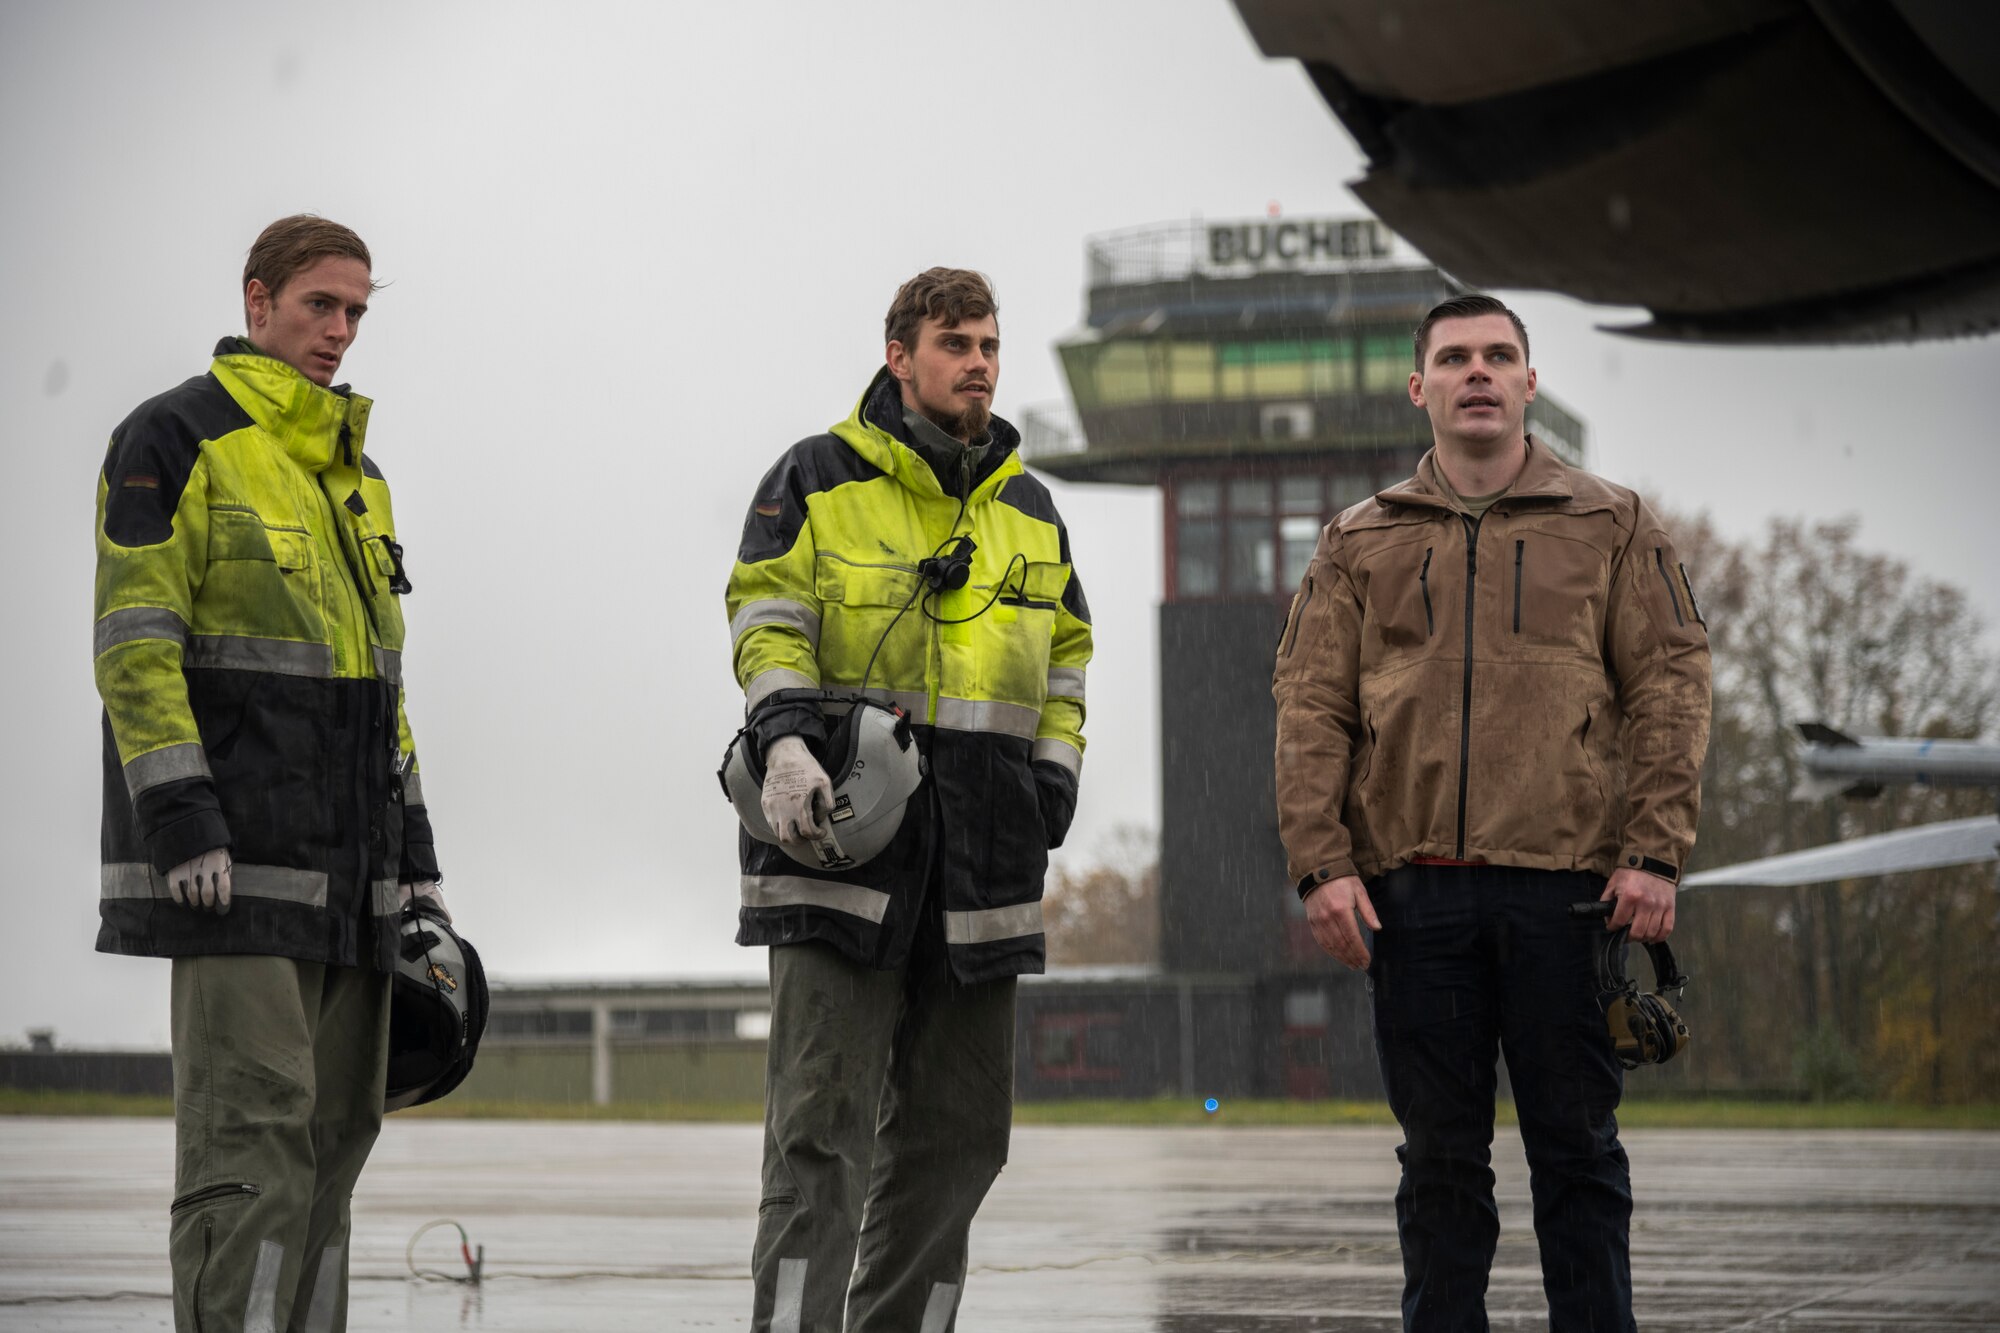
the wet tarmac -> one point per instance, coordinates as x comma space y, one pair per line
1099, 1230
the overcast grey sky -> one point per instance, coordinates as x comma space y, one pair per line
634, 251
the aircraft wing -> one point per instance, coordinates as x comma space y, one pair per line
1954, 843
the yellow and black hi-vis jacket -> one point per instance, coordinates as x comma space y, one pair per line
249, 654
829, 557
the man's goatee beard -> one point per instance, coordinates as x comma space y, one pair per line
972, 423
968, 426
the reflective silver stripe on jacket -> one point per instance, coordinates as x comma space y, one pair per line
776, 611
388, 665
1065, 682
137, 622
169, 763
413, 788
988, 715
136, 879
1060, 752
798, 891
766, 683
386, 898
952, 714
283, 657
995, 923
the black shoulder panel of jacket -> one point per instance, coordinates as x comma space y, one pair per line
153, 453
368, 468
802, 471
1027, 494
1073, 599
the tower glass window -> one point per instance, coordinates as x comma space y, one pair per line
1300, 506
1330, 366
1299, 494
1298, 534
1351, 488
1252, 543
1190, 371
1198, 537
1277, 369
1123, 375
1385, 363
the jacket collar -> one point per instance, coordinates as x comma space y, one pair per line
1543, 477
875, 429
318, 427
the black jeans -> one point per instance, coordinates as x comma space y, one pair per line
1473, 961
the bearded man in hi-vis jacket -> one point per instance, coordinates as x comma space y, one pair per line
906, 551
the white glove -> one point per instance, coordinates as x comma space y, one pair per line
795, 789
427, 889
203, 883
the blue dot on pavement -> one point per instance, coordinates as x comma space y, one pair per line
1211, 1106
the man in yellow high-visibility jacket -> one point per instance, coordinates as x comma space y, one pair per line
263, 816
908, 556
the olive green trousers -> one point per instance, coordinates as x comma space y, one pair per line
887, 1108
278, 1074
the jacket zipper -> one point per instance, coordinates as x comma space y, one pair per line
1465, 698
1299, 618
1673, 595
360, 587
1518, 544
1424, 582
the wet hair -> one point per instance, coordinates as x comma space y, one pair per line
949, 295
1469, 306
292, 244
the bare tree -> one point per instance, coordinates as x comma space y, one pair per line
1109, 910
1880, 979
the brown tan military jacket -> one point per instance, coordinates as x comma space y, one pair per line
1529, 688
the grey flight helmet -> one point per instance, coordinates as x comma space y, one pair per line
437, 1008
871, 758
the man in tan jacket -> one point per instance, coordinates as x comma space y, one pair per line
1493, 701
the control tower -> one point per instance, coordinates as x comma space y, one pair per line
1257, 373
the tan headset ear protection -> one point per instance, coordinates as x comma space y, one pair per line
1645, 1028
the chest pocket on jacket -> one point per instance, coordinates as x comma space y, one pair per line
1404, 589
1010, 642
241, 534
858, 603
261, 579
1556, 591
1027, 592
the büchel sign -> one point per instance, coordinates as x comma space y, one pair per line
1298, 243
